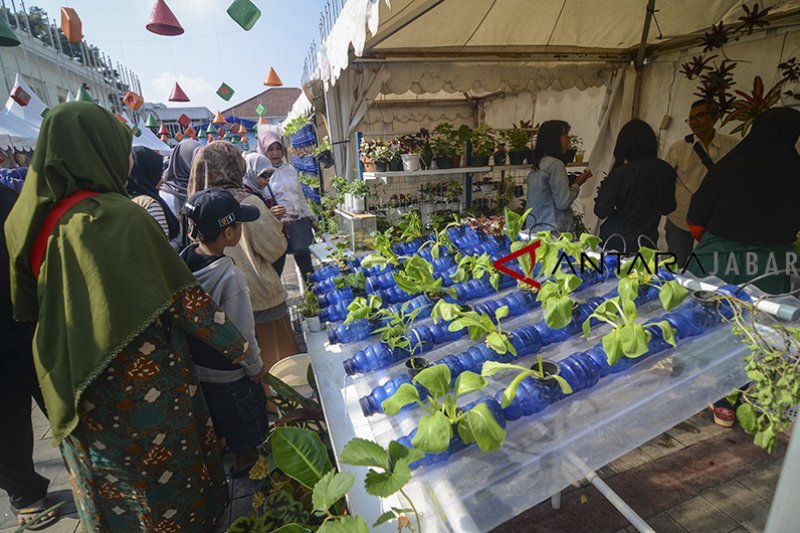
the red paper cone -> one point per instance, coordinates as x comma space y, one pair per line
162, 20
178, 95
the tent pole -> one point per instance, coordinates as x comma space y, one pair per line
640, 55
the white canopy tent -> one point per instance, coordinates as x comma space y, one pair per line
148, 139
399, 65
19, 125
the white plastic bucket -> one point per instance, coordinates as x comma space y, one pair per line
410, 162
292, 370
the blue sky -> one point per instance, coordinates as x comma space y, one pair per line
213, 49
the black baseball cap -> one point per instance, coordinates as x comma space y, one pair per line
215, 209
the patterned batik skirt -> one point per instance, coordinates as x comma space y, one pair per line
144, 455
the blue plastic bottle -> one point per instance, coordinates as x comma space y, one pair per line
376, 355
346, 333
371, 403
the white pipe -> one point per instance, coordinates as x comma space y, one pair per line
635, 520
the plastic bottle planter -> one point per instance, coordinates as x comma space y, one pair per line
334, 313
415, 365
324, 273
372, 403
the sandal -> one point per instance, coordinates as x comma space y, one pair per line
34, 514
723, 416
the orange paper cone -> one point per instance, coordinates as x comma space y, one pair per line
219, 119
272, 79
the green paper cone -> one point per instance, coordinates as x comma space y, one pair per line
84, 96
212, 128
152, 122
7, 35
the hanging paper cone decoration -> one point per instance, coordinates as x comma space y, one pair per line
210, 138
71, 25
219, 119
179, 136
244, 139
201, 133
191, 132
163, 130
225, 92
184, 120
212, 128
272, 79
84, 96
152, 122
7, 36
133, 100
136, 131
178, 95
260, 110
245, 13
227, 135
162, 20
164, 138
20, 96
262, 120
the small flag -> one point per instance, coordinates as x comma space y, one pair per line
225, 92
260, 110
136, 131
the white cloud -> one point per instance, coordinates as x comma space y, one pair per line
199, 91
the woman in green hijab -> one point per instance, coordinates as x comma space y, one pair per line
113, 305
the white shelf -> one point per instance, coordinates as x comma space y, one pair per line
439, 172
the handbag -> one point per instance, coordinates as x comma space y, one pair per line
300, 236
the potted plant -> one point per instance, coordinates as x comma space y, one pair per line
575, 144
517, 139
367, 160
382, 153
482, 141
443, 417
426, 152
365, 307
358, 194
486, 185
322, 153
544, 371
396, 333
396, 164
410, 150
499, 157
311, 310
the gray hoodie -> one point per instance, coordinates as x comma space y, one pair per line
227, 285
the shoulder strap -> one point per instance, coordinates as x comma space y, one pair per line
56, 213
703, 155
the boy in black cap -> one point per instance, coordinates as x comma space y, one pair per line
233, 392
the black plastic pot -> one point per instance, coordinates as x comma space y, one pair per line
381, 166
443, 162
550, 369
518, 191
499, 159
396, 165
325, 158
517, 158
476, 160
415, 365
705, 298
571, 155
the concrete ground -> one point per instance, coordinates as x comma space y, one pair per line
696, 477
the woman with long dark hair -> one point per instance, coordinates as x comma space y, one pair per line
550, 194
640, 188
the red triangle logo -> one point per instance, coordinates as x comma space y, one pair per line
530, 250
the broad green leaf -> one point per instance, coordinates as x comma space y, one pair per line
385, 484
491, 368
436, 379
398, 451
628, 289
587, 327
672, 295
633, 338
589, 241
480, 426
570, 283
374, 259
629, 308
288, 393
608, 310
510, 392
746, 415
344, 524
330, 489
404, 395
499, 343
500, 313
433, 434
300, 454
363, 452
612, 346
668, 331
548, 290
385, 517
559, 312
467, 382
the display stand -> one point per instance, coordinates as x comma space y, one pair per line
544, 453
467, 172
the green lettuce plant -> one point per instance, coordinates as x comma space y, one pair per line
491, 368
443, 416
482, 326
366, 307
396, 332
475, 267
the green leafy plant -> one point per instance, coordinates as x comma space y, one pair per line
358, 188
309, 179
396, 332
294, 125
482, 326
482, 139
310, 304
383, 255
491, 368
389, 471
435, 430
517, 139
514, 222
557, 304
411, 225
441, 243
416, 277
476, 266
355, 280
575, 142
340, 253
368, 308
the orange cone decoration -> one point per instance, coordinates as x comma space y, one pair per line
163, 130
164, 138
262, 120
243, 139
219, 119
272, 79
178, 95
162, 20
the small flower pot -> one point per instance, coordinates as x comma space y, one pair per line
396, 165
325, 158
499, 159
550, 369
348, 201
486, 188
313, 324
478, 160
381, 166
570, 157
415, 365
359, 205
410, 162
443, 162
517, 158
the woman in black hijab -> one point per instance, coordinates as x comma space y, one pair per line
142, 185
640, 188
745, 213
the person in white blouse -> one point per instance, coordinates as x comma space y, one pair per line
285, 186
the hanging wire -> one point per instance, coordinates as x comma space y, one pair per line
624, 243
639, 241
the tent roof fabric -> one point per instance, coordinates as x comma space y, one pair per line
418, 30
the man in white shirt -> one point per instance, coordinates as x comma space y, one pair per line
691, 158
